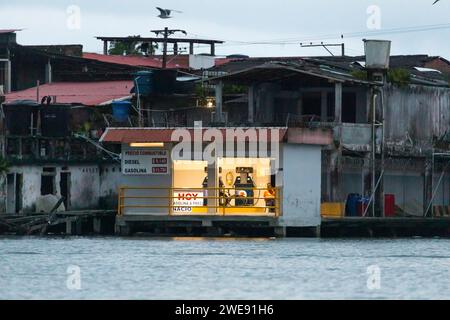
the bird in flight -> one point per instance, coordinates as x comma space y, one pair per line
165, 13
436, 2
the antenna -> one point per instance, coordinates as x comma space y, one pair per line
325, 46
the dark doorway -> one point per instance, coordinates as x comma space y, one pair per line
64, 185
349, 107
14, 193
312, 105
48, 181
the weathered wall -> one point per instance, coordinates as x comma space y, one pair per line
87, 187
416, 112
301, 185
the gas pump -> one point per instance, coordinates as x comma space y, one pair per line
244, 186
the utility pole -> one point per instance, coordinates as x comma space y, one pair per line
325, 46
166, 34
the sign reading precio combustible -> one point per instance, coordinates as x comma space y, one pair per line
140, 161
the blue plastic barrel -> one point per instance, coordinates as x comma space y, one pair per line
143, 82
351, 208
121, 110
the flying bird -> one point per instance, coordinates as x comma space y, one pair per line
436, 2
165, 13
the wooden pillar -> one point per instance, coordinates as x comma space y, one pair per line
251, 104
338, 102
324, 106
428, 187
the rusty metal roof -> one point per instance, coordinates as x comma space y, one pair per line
84, 93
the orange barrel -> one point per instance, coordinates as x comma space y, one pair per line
389, 205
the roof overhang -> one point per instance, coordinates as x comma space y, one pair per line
175, 135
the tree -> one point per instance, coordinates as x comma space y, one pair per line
131, 48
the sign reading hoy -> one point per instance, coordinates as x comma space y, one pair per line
139, 161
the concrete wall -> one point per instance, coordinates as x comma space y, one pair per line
87, 185
301, 185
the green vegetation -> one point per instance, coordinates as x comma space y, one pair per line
131, 48
398, 76
4, 166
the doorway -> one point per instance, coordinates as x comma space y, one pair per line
14, 193
64, 185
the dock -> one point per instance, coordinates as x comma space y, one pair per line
96, 222
386, 227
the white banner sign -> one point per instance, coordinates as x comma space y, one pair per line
185, 201
141, 161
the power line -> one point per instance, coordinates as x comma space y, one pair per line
295, 41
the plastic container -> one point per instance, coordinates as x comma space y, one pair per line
121, 110
351, 207
143, 81
389, 205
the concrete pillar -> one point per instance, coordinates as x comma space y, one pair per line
251, 104
213, 49
48, 72
338, 102
219, 102
428, 187
7, 85
97, 225
336, 175
105, 47
324, 106
191, 48
69, 227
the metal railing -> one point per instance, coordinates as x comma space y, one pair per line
214, 201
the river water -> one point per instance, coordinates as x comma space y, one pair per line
117, 268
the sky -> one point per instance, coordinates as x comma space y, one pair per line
251, 27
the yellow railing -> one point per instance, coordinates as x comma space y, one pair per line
217, 201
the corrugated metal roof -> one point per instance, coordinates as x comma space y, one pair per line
9, 30
86, 93
178, 62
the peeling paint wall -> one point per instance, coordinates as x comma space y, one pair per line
87, 185
416, 113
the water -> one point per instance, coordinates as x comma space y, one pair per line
114, 268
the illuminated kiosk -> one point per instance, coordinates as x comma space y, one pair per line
218, 179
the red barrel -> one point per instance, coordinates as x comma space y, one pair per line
389, 205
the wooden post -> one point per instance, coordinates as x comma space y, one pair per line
428, 188
324, 106
251, 104
338, 102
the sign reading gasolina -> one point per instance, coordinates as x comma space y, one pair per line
138, 161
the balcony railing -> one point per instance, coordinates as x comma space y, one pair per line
199, 201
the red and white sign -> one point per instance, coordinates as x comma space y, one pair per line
188, 199
142, 161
